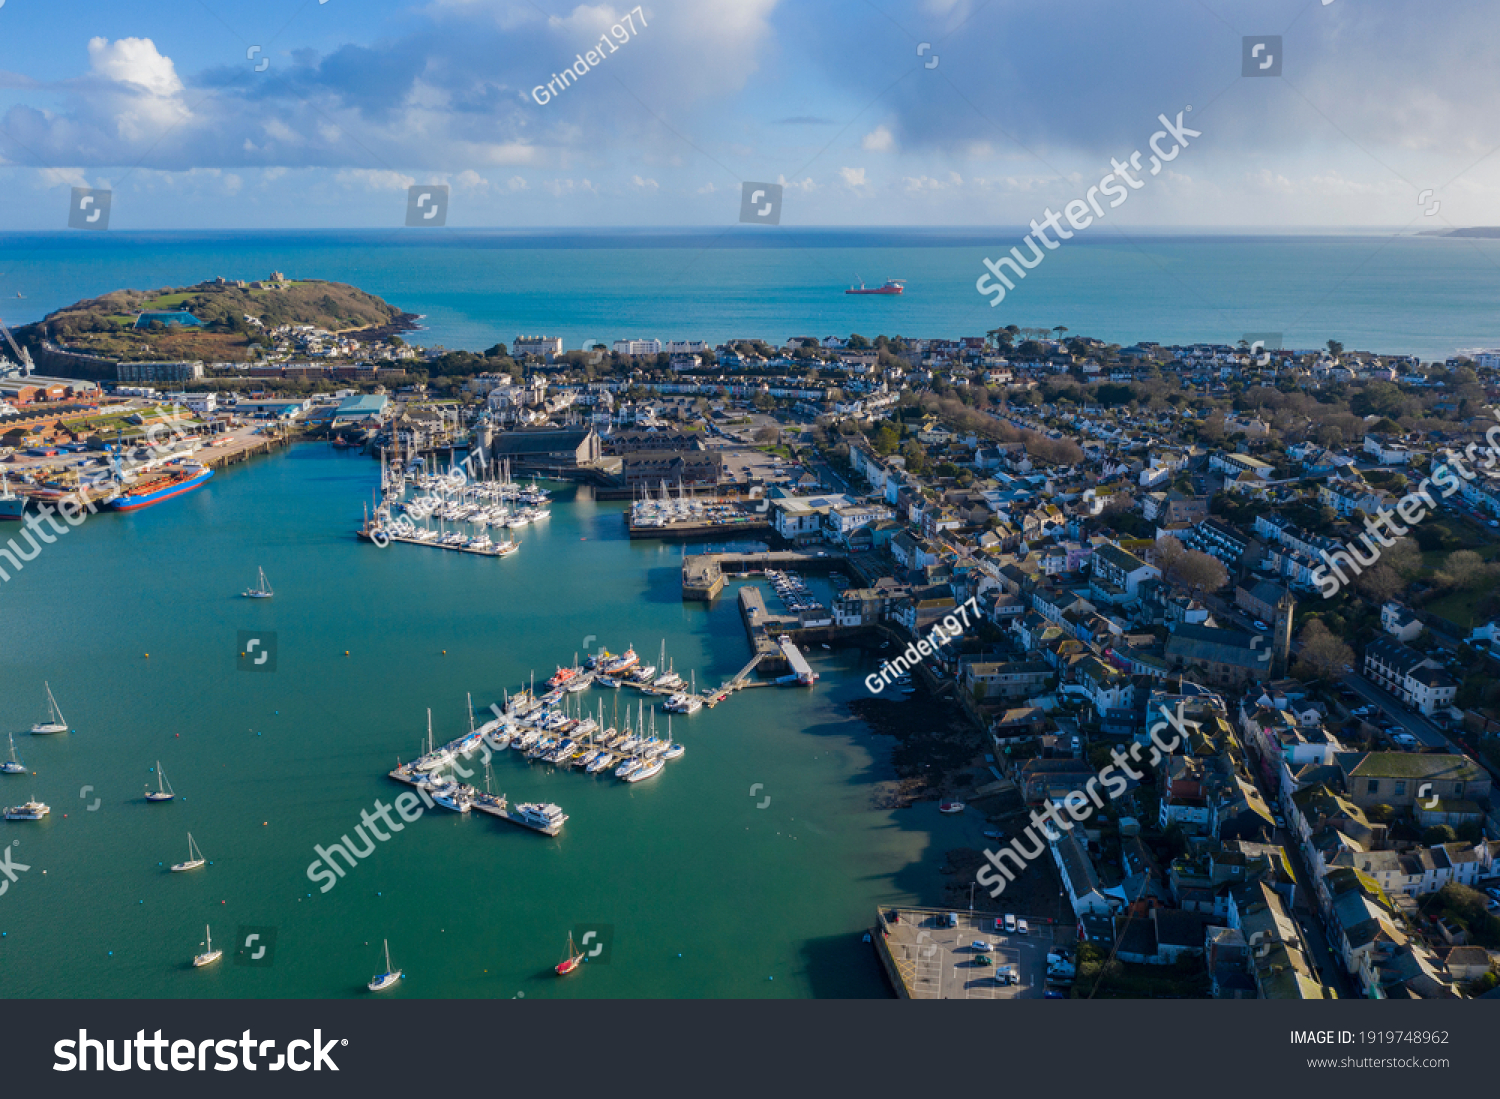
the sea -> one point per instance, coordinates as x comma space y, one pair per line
751, 867
1402, 293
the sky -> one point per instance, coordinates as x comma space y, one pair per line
308, 114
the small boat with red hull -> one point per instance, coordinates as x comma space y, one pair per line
892, 286
158, 487
573, 960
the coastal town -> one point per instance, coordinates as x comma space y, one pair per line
1142, 533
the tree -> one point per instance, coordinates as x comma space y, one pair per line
1439, 833
1335, 348
1462, 568
1191, 569
767, 435
1381, 583
1322, 653
1404, 557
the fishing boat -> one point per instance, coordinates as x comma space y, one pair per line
209, 954
32, 810
54, 722
382, 981
163, 790
194, 860
12, 766
262, 590
950, 807
573, 959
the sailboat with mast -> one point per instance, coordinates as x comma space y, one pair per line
382, 981
194, 860
55, 722
163, 791
262, 589
12, 766
572, 960
209, 954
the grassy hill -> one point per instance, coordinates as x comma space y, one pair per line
105, 325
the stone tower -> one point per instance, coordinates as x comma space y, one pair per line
1281, 640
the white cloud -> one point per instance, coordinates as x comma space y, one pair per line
854, 177
374, 179
645, 184
516, 183
879, 140
134, 61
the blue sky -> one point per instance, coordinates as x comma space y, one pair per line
292, 113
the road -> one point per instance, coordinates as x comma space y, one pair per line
1394, 708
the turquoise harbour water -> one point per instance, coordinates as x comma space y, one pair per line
707, 894
1372, 291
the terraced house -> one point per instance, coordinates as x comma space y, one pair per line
1417, 680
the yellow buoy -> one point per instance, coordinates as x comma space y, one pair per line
346, 652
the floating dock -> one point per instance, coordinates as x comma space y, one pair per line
802, 672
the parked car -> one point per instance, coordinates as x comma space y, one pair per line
952, 919
1010, 924
981, 946
1021, 928
983, 959
1053, 994
1261, 626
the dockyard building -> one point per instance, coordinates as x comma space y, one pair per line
570, 446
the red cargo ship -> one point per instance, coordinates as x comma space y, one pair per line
892, 286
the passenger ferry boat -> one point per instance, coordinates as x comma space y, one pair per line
32, 810
542, 816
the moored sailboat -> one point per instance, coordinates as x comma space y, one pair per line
55, 722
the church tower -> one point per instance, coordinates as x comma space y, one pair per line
1281, 642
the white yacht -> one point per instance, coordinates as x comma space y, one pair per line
209, 954
32, 810
453, 795
54, 722
12, 766
382, 981
673, 751
626, 769
194, 860
262, 590
646, 770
